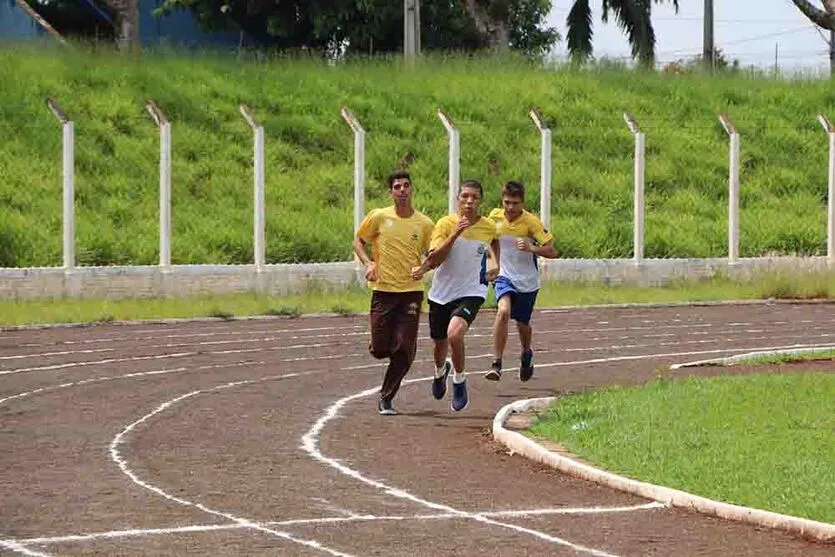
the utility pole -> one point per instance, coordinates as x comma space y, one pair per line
411, 28
832, 54
707, 53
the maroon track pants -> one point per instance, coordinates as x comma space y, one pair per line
395, 317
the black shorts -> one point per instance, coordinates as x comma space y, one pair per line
441, 314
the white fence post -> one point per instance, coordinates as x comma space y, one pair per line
259, 226
68, 169
164, 182
733, 189
830, 212
639, 180
544, 168
359, 166
454, 160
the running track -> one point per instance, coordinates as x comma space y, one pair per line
260, 437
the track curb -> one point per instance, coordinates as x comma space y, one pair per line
518, 443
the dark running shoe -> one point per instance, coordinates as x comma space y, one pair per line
495, 372
460, 399
526, 369
385, 408
439, 383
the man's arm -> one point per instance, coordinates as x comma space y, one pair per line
437, 256
367, 262
544, 246
547, 250
494, 250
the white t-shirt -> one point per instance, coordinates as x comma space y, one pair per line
464, 272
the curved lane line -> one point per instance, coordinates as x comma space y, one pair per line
120, 461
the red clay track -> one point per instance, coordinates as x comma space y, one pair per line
254, 438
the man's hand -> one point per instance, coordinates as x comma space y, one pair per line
418, 272
492, 273
463, 224
524, 244
371, 272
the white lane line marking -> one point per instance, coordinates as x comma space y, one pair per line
98, 362
523, 513
474, 334
63, 353
310, 443
89, 381
120, 461
19, 548
242, 332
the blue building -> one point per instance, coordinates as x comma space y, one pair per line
179, 28
16, 24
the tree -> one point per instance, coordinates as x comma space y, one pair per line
127, 22
76, 18
632, 16
373, 26
822, 18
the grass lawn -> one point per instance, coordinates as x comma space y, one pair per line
765, 441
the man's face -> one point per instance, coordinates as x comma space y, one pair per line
513, 206
469, 200
401, 191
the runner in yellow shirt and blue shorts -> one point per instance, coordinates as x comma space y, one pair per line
523, 238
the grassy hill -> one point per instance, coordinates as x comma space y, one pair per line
309, 153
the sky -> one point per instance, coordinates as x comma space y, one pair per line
744, 32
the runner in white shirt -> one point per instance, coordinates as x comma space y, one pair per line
522, 237
459, 248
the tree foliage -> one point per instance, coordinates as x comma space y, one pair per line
634, 17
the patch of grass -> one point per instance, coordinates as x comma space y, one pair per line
283, 311
309, 148
765, 441
106, 318
352, 301
342, 310
64, 310
788, 285
221, 313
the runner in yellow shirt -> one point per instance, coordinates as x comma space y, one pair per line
459, 249
399, 236
523, 238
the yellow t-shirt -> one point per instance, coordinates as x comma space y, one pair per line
397, 245
519, 266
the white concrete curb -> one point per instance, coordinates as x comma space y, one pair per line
518, 443
731, 360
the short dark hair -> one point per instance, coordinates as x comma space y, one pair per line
398, 175
474, 184
514, 189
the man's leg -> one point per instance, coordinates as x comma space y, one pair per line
380, 318
405, 329
499, 337
440, 348
463, 315
522, 312
439, 316
458, 327
525, 335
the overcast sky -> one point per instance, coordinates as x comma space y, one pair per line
742, 32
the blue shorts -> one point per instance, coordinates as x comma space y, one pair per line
521, 303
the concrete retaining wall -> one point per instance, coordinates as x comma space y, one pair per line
181, 280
